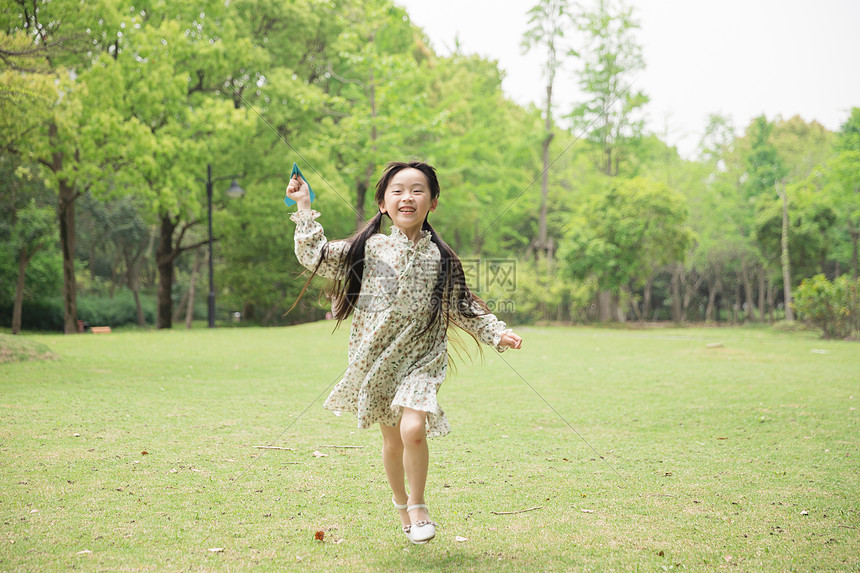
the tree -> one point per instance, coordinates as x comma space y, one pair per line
73, 140
766, 172
34, 230
378, 84
548, 22
611, 58
620, 233
843, 173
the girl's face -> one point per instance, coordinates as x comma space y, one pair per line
407, 200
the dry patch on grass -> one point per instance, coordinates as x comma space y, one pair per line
16, 349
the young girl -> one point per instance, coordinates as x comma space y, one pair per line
404, 288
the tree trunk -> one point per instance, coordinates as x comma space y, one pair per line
66, 215
131, 273
164, 257
690, 291
771, 295
712, 298
761, 292
786, 261
17, 309
748, 298
616, 310
646, 297
736, 307
676, 294
855, 236
178, 310
189, 309
604, 306
360, 194
544, 189
364, 185
637, 312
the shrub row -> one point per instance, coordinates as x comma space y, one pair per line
47, 314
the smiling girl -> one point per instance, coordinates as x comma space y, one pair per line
405, 290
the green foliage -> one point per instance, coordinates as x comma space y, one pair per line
117, 311
810, 219
46, 313
834, 307
764, 165
622, 233
120, 110
611, 57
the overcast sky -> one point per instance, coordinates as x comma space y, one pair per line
741, 58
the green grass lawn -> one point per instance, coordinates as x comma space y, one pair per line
134, 450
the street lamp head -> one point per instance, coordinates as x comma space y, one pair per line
235, 192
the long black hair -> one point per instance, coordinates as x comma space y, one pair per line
450, 285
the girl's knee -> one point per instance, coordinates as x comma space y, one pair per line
412, 430
391, 447
391, 440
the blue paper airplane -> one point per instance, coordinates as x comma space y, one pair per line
296, 169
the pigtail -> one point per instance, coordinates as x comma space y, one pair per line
451, 288
344, 294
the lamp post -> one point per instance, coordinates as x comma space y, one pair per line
234, 191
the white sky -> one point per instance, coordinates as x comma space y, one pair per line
740, 58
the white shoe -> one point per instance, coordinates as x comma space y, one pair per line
406, 528
422, 531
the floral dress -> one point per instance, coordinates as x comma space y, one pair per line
392, 364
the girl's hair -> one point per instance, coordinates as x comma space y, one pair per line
450, 283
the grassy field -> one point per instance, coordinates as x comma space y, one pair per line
134, 451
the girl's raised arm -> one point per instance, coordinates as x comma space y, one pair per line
310, 238
311, 242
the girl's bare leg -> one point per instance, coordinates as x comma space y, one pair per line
416, 457
392, 459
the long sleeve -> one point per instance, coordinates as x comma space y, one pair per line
486, 327
310, 241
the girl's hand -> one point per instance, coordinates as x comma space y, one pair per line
298, 191
511, 340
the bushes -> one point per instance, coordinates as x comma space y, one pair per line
47, 314
116, 311
830, 306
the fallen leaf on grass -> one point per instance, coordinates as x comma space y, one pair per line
804, 512
460, 538
144, 453
728, 558
588, 511
319, 535
660, 553
84, 552
318, 454
216, 549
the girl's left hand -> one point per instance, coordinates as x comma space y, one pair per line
511, 340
